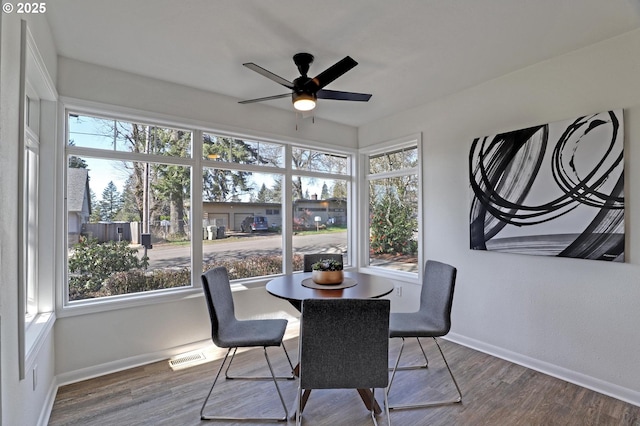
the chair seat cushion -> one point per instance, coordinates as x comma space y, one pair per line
264, 332
415, 324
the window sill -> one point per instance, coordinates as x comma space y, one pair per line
114, 303
35, 336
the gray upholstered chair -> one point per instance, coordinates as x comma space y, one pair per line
310, 259
344, 344
229, 332
433, 319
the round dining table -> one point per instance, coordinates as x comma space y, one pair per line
361, 286
291, 288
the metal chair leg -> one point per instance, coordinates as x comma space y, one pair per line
275, 381
228, 377
414, 367
431, 403
386, 407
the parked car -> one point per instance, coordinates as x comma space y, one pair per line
254, 223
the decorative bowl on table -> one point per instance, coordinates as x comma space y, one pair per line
327, 272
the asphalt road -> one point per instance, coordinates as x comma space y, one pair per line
246, 245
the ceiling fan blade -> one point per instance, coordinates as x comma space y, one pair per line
269, 75
267, 98
330, 74
342, 96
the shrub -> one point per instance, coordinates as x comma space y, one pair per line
255, 266
92, 263
139, 281
393, 226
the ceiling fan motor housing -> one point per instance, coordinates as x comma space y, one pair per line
303, 61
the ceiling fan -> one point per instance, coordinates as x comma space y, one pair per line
306, 90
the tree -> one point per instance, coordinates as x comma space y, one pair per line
393, 226
324, 195
263, 194
221, 184
96, 212
172, 183
111, 202
339, 189
130, 211
305, 159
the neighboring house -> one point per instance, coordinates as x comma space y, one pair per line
332, 211
78, 202
231, 214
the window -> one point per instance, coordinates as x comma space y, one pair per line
30, 191
241, 193
128, 207
143, 211
393, 192
320, 186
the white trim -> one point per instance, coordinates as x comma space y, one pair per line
43, 84
126, 301
47, 406
127, 363
607, 388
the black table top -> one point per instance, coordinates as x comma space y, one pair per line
368, 286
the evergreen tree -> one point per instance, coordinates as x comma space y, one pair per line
111, 202
224, 184
96, 212
324, 195
263, 194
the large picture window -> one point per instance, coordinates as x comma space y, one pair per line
393, 187
144, 214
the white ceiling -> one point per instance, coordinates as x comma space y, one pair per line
409, 51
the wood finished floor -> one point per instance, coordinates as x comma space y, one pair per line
495, 392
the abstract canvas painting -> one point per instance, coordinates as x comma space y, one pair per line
554, 190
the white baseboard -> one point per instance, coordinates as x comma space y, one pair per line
138, 360
45, 412
615, 391
124, 364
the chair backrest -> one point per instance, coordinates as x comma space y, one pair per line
217, 292
344, 343
436, 297
310, 259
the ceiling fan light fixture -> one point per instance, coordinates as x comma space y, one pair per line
304, 101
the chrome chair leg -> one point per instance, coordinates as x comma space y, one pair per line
228, 377
414, 367
204, 416
431, 403
386, 407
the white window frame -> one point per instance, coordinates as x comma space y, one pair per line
413, 140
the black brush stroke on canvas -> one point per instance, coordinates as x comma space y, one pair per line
555, 189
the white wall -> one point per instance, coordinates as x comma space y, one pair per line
575, 319
21, 402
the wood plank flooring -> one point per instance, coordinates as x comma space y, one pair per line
495, 392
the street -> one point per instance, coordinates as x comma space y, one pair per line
247, 245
